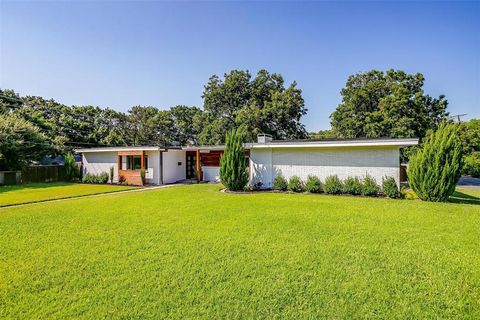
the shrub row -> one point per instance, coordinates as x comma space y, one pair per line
95, 178
334, 185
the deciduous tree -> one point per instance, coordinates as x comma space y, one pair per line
261, 105
387, 104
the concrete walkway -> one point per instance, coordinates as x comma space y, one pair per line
92, 195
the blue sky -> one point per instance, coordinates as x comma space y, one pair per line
120, 54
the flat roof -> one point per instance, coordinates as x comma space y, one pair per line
194, 148
333, 143
115, 149
324, 143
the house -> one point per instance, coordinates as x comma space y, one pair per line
342, 157
162, 165
267, 158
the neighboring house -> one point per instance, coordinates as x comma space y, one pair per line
267, 159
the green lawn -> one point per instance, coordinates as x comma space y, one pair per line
194, 252
34, 192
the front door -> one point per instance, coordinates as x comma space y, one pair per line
191, 165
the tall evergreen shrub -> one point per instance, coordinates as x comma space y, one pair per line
436, 168
72, 171
233, 167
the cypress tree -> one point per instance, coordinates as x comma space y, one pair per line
435, 169
233, 167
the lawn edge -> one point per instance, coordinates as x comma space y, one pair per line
68, 197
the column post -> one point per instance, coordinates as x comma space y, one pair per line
119, 163
198, 167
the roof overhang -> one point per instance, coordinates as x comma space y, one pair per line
335, 144
204, 148
119, 149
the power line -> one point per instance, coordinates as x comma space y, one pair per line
458, 117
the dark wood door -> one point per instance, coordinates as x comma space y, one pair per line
191, 165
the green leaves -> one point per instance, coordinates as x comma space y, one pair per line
436, 168
72, 171
261, 105
233, 167
20, 142
387, 104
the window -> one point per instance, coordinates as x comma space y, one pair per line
135, 163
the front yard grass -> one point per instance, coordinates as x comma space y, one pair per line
34, 192
194, 252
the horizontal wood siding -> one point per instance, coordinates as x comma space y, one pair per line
211, 159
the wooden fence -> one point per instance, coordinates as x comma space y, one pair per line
50, 173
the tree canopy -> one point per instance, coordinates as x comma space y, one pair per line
387, 104
374, 104
20, 142
259, 105
470, 135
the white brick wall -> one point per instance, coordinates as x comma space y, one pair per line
174, 166
98, 162
266, 164
211, 174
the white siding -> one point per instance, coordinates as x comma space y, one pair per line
98, 162
174, 166
261, 169
266, 164
211, 174
152, 174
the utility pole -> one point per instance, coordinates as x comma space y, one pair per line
457, 116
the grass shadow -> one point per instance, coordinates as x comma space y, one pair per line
37, 185
460, 197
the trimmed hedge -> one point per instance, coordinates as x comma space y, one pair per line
352, 186
370, 187
313, 185
93, 178
295, 184
333, 185
280, 183
390, 188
